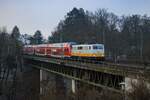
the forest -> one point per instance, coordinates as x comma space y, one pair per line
124, 37
11, 61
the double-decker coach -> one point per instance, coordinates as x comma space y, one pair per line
29, 49
60, 49
51, 50
40, 49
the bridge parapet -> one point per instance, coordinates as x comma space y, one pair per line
101, 74
132, 71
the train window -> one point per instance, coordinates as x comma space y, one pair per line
97, 47
100, 47
89, 47
80, 48
85, 47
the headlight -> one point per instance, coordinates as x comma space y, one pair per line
102, 55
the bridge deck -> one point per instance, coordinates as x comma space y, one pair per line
132, 71
101, 74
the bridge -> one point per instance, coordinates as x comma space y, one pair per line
101, 74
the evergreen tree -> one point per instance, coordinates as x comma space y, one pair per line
37, 37
126, 36
15, 33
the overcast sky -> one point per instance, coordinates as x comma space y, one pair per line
44, 15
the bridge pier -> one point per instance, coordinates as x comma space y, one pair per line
99, 75
73, 84
132, 81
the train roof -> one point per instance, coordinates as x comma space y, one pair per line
51, 44
88, 45
29, 46
61, 44
65, 43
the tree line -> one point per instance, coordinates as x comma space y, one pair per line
125, 36
11, 61
37, 38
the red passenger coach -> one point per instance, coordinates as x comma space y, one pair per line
29, 49
67, 49
41, 49
60, 49
50, 50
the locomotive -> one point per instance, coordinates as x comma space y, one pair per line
67, 50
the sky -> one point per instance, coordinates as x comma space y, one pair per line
44, 15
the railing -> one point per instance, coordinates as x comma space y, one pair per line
67, 66
95, 65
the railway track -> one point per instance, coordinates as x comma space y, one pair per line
126, 70
104, 63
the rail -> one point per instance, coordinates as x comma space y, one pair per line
112, 68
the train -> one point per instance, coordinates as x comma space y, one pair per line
67, 50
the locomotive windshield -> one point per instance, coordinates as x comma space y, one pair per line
97, 47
